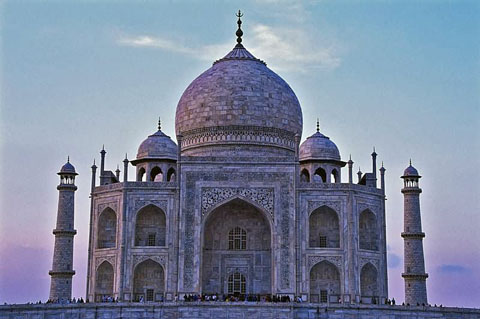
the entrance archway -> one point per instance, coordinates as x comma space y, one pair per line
236, 241
148, 281
324, 282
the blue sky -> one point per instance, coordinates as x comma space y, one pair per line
403, 76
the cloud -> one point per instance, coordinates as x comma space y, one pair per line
452, 269
152, 42
292, 49
285, 49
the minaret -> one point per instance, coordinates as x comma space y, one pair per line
62, 266
350, 170
414, 263
102, 165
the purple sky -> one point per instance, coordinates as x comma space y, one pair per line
401, 76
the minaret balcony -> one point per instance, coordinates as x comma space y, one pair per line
67, 232
61, 272
414, 276
413, 235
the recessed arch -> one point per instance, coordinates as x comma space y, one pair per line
104, 281
150, 226
368, 230
368, 282
148, 281
107, 229
320, 176
324, 228
324, 282
156, 174
218, 259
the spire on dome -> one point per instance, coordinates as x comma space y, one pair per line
318, 125
239, 32
159, 124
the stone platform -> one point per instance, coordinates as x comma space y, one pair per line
223, 310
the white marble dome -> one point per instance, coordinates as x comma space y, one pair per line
239, 100
157, 146
319, 147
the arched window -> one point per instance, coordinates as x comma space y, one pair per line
148, 281
171, 175
324, 282
320, 176
334, 176
368, 231
324, 230
104, 281
107, 229
156, 175
368, 283
237, 239
141, 175
237, 285
305, 176
150, 227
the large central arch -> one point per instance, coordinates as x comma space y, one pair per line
236, 244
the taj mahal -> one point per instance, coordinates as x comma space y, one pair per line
237, 206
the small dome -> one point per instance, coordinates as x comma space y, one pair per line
67, 168
319, 147
157, 146
410, 171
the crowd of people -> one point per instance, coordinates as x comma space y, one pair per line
247, 297
214, 297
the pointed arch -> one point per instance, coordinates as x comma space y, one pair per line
156, 174
171, 175
320, 175
335, 176
148, 281
324, 228
150, 226
141, 174
368, 283
104, 281
368, 230
217, 259
305, 176
324, 282
107, 229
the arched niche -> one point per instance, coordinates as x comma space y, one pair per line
150, 227
219, 257
324, 282
368, 230
107, 229
104, 281
324, 229
320, 176
148, 281
368, 283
